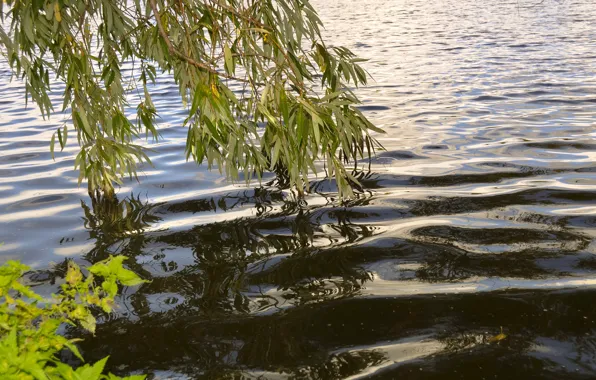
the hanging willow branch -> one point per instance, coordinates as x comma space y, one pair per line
264, 91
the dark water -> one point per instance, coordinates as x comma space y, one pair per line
479, 218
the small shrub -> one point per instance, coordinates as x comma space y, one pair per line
29, 339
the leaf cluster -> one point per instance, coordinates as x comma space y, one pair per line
29, 324
264, 92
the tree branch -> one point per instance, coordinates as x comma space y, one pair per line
175, 52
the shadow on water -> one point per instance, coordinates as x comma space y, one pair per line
290, 289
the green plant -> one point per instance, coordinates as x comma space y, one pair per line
264, 91
29, 339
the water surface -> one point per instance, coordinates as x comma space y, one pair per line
478, 218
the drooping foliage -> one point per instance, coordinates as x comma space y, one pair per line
263, 90
29, 324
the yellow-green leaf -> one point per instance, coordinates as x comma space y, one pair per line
73, 274
57, 12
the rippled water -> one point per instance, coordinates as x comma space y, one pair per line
479, 216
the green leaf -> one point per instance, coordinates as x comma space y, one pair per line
73, 274
129, 278
89, 323
28, 27
83, 316
93, 372
52, 142
36, 370
29, 343
116, 263
100, 269
64, 136
316, 130
230, 65
110, 287
133, 377
275, 155
75, 350
83, 121
26, 291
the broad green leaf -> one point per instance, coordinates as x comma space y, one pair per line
26, 291
100, 269
73, 274
92, 372
74, 349
110, 287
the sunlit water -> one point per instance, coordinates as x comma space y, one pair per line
479, 216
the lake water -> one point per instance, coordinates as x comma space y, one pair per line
478, 219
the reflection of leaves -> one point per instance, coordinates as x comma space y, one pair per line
342, 365
109, 217
446, 234
229, 254
223, 251
169, 267
587, 263
457, 265
117, 226
298, 341
260, 198
458, 341
319, 291
171, 301
316, 275
287, 229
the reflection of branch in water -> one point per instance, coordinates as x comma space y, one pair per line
286, 230
227, 254
325, 290
448, 234
117, 227
298, 341
588, 263
463, 340
457, 340
448, 266
328, 187
458, 266
520, 251
342, 365
109, 217
262, 200
308, 265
